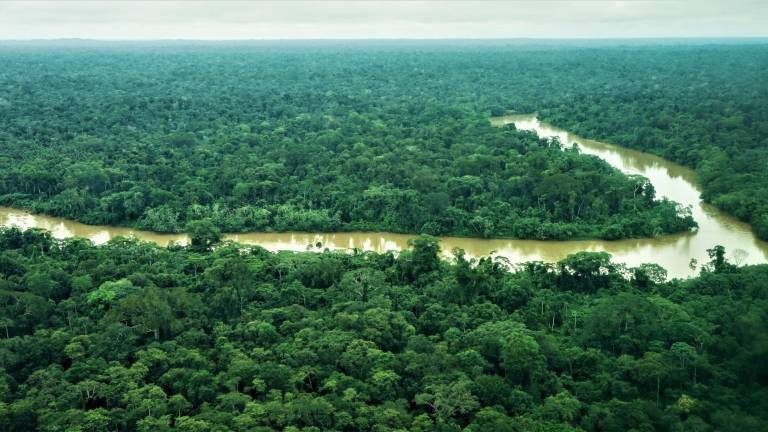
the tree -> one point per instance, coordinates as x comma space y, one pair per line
562, 407
146, 310
521, 357
109, 292
203, 234
148, 400
717, 259
178, 404
362, 283
585, 271
423, 259
651, 368
646, 276
448, 400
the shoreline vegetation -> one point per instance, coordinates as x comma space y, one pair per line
692, 228
686, 224
456, 211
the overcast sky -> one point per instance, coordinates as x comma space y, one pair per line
369, 19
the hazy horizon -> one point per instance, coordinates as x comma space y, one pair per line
381, 20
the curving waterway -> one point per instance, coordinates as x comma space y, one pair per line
673, 252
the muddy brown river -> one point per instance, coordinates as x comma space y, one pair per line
673, 252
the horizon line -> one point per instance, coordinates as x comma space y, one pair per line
544, 38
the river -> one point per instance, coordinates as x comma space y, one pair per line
673, 252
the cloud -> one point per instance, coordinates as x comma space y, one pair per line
375, 19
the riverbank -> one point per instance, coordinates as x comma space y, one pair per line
673, 252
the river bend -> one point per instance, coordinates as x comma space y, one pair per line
673, 252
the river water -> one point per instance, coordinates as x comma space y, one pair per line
673, 252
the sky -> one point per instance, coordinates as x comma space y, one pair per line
214, 20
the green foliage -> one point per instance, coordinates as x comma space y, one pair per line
255, 138
202, 234
129, 336
110, 291
644, 98
238, 339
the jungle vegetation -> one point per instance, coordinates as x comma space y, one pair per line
702, 106
217, 336
130, 336
321, 137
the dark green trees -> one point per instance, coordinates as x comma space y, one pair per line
202, 234
250, 140
129, 336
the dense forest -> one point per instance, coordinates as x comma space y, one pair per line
704, 107
395, 136
261, 137
130, 336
